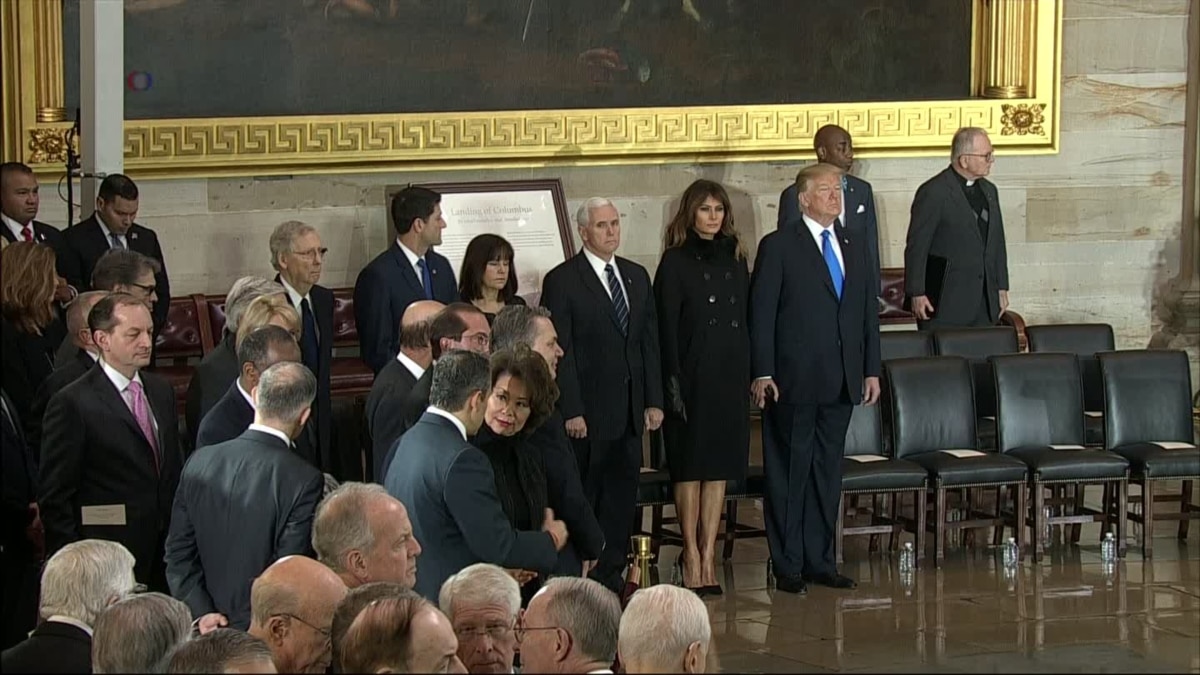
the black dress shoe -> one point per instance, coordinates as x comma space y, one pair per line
791, 585
832, 580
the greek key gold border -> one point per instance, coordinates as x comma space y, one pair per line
1016, 51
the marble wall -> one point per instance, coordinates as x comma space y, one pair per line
1092, 231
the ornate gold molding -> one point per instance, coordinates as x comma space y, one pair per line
1009, 48
318, 144
48, 61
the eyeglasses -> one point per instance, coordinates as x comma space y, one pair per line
312, 253
495, 632
481, 340
323, 632
145, 288
522, 631
989, 157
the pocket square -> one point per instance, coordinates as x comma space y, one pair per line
862, 208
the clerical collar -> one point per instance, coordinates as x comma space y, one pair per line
969, 182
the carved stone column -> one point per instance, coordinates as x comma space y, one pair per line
48, 60
1004, 56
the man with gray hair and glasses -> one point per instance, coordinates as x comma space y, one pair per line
570, 626
483, 602
138, 634
78, 583
222, 651
244, 503
665, 629
219, 368
364, 534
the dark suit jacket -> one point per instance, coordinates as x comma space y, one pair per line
53, 647
227, 420
28, 359
94, 454
85, 243
605, 376
385, 287
862, 222
64, 374
565, 489
450, 491
411, 410
19, 482
49, 235
812, 344
212, 378
944, 224
344, 466
385, 411
241, 506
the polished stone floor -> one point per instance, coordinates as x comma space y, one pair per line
1071, 613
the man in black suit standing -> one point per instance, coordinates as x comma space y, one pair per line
19, 203
407, 271
84, 355
245, 503
609, 377
234, 413
814, 329
19, 538
450, 489
955, 258
298, 255
858, 218
385, 403
110, 446
111, 226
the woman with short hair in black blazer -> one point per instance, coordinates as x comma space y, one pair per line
702, 291
32, 328
488, 277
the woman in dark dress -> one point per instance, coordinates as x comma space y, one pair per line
701, 289
31, 327
522, 397
488, 278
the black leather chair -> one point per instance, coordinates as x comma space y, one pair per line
1148, 420
905, 344
976, 345
1083, 340
865, 470
934, 426
1039, 421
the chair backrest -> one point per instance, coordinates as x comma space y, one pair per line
976, 345
905, 344
1147, 396
865, 436
1083, 340
932, 405
1038, 400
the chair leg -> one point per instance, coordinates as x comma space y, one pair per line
968, 535
1039, 501
1076, 528
920, 506
1106, 508
939, 525
1018, 521
731, 523
1147, 518
998, 532
839, 529
894, 514
1185, 501
1122, 517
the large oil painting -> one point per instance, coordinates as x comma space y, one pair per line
240, 58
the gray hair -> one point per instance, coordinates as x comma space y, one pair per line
340, 524
217, 651
456, 375
589, 612
84, 577
516, 325
242, 293
583, 217
964, 141
283, 236
480, 584
139, 634
284, 391
659, 624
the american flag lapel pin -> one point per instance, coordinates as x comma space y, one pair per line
133, 235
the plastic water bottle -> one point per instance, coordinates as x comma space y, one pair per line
908, 558
1012, 553
1108, 548
1046, 529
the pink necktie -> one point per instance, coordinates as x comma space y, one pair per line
141, 413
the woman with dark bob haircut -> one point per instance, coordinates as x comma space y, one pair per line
488, 278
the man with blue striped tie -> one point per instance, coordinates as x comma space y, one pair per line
609, 377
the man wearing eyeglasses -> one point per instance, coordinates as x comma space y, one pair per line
298, 255
291, 609
482, 602
955, 259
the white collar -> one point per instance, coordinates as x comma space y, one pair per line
462, 428
95, 355
294, 295
602, 670
270, 430
242, 391
16, 227
815, 228
598, 264
59, 618
119, 380
412, 257
411, 366
108, 233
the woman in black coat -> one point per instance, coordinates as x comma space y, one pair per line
702, 289
30, 328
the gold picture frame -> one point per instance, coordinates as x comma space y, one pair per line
1015, 76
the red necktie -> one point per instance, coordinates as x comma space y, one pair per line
27, 233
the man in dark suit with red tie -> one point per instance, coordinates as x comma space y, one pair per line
609, 376
110, 448
409, 270
814, 331
19, 203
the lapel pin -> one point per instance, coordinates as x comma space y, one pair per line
133, 235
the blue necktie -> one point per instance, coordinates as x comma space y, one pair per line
618, 298
831, 261
116, 241
426, 280
308, 336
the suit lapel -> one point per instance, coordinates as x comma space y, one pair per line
160, 417
117, 406
323, 306
815, 255
7, 233
407, 271
633, 297
592, 283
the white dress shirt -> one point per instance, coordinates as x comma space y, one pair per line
462, 428
413, 258
122, 384
108, 233
271, 430
295, 298
598, 265
815, 229
16, 228
245, 395
410, 365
